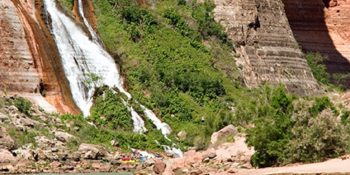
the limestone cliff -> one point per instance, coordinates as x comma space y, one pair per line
264, 41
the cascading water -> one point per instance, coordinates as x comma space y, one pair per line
83, 58
86, 22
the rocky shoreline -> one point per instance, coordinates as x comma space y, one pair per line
36, 143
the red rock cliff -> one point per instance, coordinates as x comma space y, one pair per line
17, 67
267, 50
31, 62
323, 26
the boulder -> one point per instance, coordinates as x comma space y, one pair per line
196, 172
159, 167
180, 171
209, 156
182, 135
63, 136
3, 117
224, 133
6, 142
6, 168
28, 122
6, 156
149, 162
90, 151
24, 153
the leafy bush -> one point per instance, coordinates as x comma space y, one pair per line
290, 130
321, 104
176, 20
318, 69
23, 105
109, 111
207, 25
317, 138
134, 14
272, 130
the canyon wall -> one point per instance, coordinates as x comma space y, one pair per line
29, 59
268, 51
17, 67
323, 26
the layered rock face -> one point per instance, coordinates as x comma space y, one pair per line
267, 49
29, 61
323, 26
17, 67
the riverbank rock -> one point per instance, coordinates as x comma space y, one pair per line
63, 136
159, 166
6, 142
6, 156
226, 133
90, 151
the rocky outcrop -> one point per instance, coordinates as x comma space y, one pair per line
34, 144
323, 26
264, 41
226, 133
29, 61
224, 159
17, 67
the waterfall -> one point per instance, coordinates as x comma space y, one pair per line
86, 22
83, 59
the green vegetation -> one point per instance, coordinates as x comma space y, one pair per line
23, 105
289, 130
67, 4
88, 133
178, 62
316, 61
109, 111
175, 62
319, 70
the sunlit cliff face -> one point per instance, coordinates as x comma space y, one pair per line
323, 26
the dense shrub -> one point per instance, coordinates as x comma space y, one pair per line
317, 138
293, 130
321, 104
109, 111
272, 130
23, 105
206, 23
180, 24
318, 68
